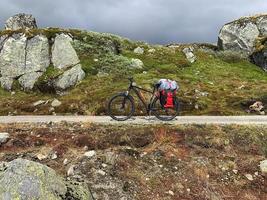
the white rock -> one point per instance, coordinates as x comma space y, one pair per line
55, 103
90, 154
70, 171
136, 63
101, 172
4, 137
65, 162
171, 193
54, 156
37, 103
41, 156
249, 177
139, 50
263, 166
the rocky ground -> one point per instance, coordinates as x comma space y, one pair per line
160, 162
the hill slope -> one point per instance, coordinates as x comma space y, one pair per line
219, 83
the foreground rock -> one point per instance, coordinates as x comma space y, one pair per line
263, 166
23, 179
3, 138
21, 21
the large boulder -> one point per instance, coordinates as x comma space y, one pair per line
239, 35
243, 36
63, 53
23, 59
69, 78
24, 179
21, 21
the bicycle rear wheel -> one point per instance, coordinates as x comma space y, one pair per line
165, 114
121, 107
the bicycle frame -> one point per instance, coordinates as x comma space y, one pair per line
137, 90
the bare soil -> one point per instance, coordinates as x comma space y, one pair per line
160, 162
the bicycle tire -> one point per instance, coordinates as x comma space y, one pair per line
166, 118
125, 98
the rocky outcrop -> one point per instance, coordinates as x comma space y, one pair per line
25, 58
63, 54
24, 179
242, 35
21, 21
69, 78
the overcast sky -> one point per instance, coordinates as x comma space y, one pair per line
154, 21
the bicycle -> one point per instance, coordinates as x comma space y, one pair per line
121, 107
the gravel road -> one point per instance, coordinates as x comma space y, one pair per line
138, 120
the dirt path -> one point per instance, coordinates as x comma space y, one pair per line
138, 120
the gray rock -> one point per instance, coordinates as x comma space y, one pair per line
136, 63
70, 78
90, 154
63, 53
21, 21
23, 179
262, 25
12, 57
78, 190
37, 57
263, 166
37, 103
6, 83
55, 103
3, 138
28, 80
189, 54
239, 35
139, 50
23, 59
260, 59
3, 38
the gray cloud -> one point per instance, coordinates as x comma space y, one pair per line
155, 21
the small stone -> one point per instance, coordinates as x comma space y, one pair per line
13, 93
85, 148
101, 172
4, 137
96, 60
65, 162
188, 190
104, 165
235, 171
263, 166
41, 157
37, 103
56, 103
54, 156
139, 50
70, 171
171, 193
90, 154
249, 177
136, 63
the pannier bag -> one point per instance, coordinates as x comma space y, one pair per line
167, 89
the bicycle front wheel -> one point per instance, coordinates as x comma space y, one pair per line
121, 107
165, 114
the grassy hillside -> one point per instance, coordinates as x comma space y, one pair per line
217, 83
